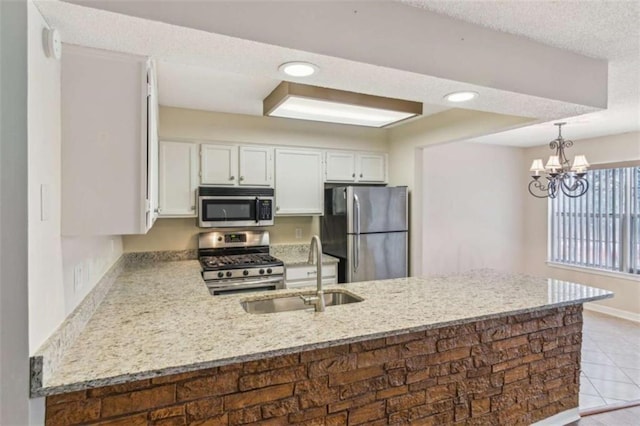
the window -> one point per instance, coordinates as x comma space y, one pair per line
600, 229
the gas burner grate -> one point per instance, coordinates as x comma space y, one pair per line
240, 260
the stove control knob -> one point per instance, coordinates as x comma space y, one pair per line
269, 271
220, 274
229, 274
261, 271
245, 272
219, 238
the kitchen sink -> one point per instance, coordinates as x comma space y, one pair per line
295, 303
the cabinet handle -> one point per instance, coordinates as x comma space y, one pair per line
241, 178
232, 178
156, 210
353, 175
277, 208
193, 208
360, 174
312, 272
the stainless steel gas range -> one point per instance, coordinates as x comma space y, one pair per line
238, 262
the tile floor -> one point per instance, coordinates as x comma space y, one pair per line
610, 361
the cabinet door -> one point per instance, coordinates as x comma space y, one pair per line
219, 164
104, 182
152, 142
372, 168
299, 188
178, 179
340, 166
256, 166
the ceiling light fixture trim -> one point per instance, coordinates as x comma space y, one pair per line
301, 101
463, 96
561, 175
298, 69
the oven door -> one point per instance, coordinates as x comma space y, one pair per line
226, 287
226, 212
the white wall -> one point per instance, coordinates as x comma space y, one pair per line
190, 124
51, 257
46, 298
405, 157
14, 349
193, 125
472, 214
609, 149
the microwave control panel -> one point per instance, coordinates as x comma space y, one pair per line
266, 210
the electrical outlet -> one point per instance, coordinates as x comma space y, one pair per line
298, 233
78, 277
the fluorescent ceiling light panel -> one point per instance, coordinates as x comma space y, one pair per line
299, 101
334, 112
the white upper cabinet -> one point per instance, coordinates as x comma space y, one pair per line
340, 166
109, 141
299, 188
359, 167
153, 108
371, 167
219, 164
178, 179
233, 165
256, 166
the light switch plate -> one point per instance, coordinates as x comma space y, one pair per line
78, 277
45, 202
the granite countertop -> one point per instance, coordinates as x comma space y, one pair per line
159, 319
297, 254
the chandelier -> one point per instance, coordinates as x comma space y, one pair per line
560, 175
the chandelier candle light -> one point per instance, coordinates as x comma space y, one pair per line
561, 176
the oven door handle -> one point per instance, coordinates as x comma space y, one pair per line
244, 282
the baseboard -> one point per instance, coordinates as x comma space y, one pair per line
619, 313
609, 407
563, 418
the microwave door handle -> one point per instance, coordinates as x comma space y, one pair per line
257, 210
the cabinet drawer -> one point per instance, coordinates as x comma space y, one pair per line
309, 272
310, 283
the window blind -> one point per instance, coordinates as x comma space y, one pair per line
600, 229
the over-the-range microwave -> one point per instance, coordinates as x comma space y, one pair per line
235, 207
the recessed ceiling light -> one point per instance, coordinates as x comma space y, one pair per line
461, 96
298, 69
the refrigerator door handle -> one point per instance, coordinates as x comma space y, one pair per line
356, 255
356, 226
356, 214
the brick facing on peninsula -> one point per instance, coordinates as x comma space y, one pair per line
513, 370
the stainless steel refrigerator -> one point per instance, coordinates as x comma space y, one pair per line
366, 227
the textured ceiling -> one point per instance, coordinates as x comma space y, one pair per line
210, 71
600, 29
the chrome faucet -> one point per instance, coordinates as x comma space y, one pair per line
318, 300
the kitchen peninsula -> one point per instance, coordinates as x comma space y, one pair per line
482, 347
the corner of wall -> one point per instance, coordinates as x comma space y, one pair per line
53, 261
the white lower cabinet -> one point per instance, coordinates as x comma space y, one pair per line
305, 275
178, 179
299, 187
